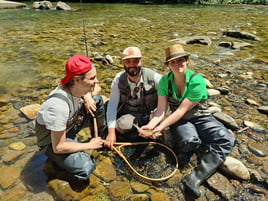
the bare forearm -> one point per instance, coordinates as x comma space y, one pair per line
70, 147
172, 119
157, 118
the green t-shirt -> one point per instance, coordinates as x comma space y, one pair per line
195, 89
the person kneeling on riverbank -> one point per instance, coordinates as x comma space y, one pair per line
133, 96
63, 114
190, 121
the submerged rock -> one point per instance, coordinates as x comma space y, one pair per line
9, 176
241, 34
30, 111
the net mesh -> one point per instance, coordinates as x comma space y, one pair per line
150, 160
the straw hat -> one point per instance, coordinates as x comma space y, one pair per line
175, 51
131, 52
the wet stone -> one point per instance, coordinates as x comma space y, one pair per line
30, 111
96, 197
221, 184
94, 181
235, 168
18, 146
174, 180
208, 83
258, 149
265, 166
8, 135
139, 187
13, 194
158, 196
254, 160
43, 196
263, 109
256, 189
255, 175
252, 102
210, 195
9, 176
11, 156
64, 191
254, 126
105, 170
96, 187
213, 92
120, 190
214, 109
138, 197
227, 120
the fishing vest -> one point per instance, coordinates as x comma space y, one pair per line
201, 109
148, 93
43, 134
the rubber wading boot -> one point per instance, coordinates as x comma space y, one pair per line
184, 159
208, 165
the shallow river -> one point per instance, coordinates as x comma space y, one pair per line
34, 46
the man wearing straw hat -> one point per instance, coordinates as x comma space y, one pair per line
190, 121
133, 96
63, 114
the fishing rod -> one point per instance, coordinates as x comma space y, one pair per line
84, 27
85, 41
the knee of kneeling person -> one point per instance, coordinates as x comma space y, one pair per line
228, 135
86, 170
225, 140
98, 99
190, 144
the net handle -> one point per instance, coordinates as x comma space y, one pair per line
118, 151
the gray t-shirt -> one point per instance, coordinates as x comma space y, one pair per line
54, 113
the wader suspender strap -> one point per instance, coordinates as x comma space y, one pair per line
143, 99
126, 99
169, 83
60, 96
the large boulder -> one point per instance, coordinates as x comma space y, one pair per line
62, 6
42, 5
11, 5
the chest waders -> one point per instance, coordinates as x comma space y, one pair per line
147, 101
201, 109
43, 134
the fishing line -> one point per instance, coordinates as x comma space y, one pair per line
84, 27
85, 41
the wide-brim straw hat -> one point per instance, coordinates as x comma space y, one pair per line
175, 51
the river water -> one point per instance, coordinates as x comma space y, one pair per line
34, 46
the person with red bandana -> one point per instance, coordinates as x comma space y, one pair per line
63, 114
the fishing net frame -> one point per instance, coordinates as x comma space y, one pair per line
119, 145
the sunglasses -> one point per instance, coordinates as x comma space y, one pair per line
135, 92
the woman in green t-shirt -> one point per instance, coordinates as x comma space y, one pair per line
190, 121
